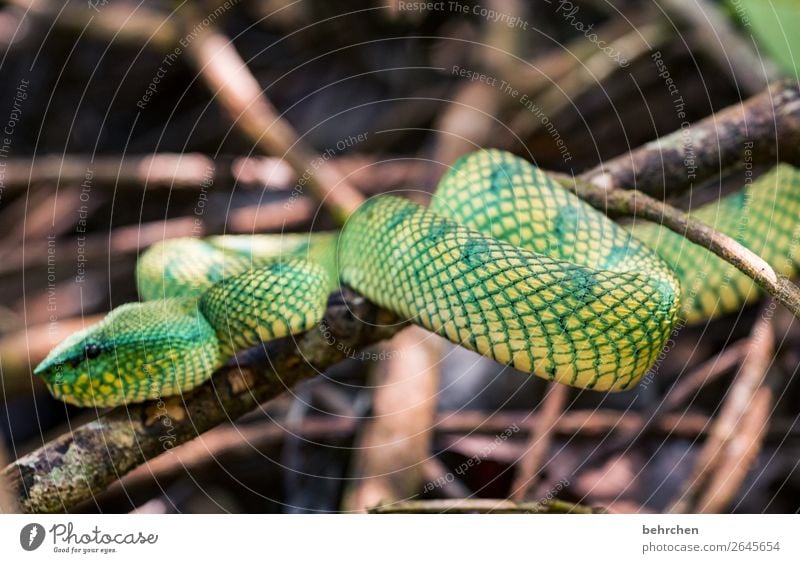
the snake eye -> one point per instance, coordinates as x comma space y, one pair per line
92, 351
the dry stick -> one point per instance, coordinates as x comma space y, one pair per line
130, 239
166, 170
632, 203
729, 421
237, 90
595, 423
541, 436
483, 506
81, 463
771, 120
396, 441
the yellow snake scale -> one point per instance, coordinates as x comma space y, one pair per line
504, 262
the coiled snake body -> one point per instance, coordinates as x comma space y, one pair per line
504, 262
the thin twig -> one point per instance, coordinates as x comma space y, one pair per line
236, 89
483, 506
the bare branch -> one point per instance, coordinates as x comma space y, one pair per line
676, 162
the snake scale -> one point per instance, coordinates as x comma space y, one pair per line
504, 262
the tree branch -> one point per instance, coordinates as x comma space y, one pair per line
675, 162
78, 465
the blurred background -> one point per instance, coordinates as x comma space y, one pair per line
113, 140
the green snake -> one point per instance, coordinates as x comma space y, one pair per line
504, 261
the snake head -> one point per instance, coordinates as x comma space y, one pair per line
139, 351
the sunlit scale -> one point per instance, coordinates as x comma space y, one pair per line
504, 262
